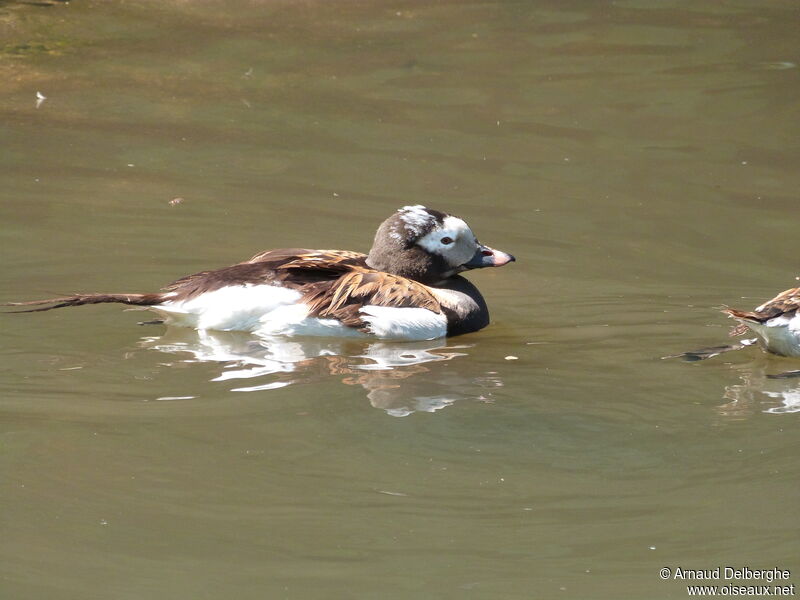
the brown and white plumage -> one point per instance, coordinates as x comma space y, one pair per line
407, 287
776, 323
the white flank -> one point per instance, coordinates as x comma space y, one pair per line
294, 320
269, 310
231, 308
780, 335
404, 323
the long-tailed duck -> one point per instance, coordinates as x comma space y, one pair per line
776, 323
408, 287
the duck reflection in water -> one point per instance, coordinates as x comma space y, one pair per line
399, 377
760, 391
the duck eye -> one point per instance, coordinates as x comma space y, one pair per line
446, 240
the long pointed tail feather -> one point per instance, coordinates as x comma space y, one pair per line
711, 352
81, 299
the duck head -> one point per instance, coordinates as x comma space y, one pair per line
429, 246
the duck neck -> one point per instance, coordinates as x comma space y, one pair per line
412, 263
463, 304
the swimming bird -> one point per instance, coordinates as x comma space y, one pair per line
408, 287
776, 323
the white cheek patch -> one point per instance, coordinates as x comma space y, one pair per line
456, 253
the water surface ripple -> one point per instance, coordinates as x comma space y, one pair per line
638, 158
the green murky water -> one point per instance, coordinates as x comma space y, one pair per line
639, 159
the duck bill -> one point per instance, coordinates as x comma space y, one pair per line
488, 257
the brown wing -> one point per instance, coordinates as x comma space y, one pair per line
783, 303
195, 284
303, 254
335, 283
291, 267
343, 298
